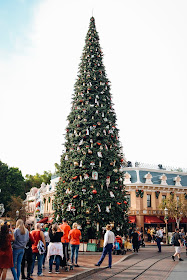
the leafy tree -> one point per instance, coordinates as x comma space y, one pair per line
57, 167
11, 183
91, 191
36, 180
16, 204
177, 208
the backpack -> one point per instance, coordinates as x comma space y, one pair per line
41, 247
173, 239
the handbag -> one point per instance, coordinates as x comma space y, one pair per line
41, 247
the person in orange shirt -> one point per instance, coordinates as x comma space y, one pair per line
74, 237
65, 241
37, 235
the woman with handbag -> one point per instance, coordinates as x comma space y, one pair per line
39, 240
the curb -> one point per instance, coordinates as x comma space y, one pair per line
91, 271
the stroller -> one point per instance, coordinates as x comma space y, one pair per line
142, 243
119, 246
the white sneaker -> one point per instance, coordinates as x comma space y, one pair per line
40, 275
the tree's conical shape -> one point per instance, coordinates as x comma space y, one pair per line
90, 191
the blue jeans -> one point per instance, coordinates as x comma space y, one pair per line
74, 249
45, 254
57, 260
158, 240
17, 258
40, 261
65, 251
107, 249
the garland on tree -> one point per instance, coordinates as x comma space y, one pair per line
90, 191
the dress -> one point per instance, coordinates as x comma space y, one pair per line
6, 257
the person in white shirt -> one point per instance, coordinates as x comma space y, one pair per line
109, 239
159, 236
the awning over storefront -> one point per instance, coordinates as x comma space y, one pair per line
38, 204
152, 220
170, 220
44, 220
184, 220
132, 219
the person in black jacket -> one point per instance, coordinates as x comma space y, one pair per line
27, 257
55, 248
134, 236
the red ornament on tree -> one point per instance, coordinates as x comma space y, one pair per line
125, 202
94, 191
75, 196
75, 177
118, 203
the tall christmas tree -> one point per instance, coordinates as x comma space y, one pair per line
90, 190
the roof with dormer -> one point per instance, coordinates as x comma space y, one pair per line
140, 176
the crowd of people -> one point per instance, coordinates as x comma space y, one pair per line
23, 246
19, 248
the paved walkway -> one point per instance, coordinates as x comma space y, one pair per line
147, 264
179, 271
86, 261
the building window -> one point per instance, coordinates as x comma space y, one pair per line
128, 199
163, 197
148, 200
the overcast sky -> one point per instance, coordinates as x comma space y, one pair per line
145, 56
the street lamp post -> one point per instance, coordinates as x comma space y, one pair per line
17, 214
2, 209
166, 221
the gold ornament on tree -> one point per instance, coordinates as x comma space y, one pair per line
99, 208
97, 226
